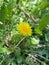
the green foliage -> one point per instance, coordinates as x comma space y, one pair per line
42, 24
15, 48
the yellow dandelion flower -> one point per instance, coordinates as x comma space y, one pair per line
24, 29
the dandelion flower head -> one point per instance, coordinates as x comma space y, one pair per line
24, 28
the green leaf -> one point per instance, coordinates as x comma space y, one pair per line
47, 36
34, 41
5, 12
44, 4
42, 24
43, 63
17, 52
19, 60
1, 2
4, 50
1, 23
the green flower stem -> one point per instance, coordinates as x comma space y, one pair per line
20, 42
